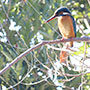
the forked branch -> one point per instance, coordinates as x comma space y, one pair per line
85, 39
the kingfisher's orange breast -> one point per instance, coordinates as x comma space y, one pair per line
65, 25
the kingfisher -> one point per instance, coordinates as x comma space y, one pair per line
66, 24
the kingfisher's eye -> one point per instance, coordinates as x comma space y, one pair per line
61, 13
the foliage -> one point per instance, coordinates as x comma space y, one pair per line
22, 26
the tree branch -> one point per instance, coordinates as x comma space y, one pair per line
85, 39
88, 2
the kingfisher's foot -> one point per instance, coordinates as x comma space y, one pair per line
71, 38
62, 39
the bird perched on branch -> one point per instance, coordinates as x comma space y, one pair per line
67, 27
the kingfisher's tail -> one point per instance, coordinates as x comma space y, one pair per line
64, 54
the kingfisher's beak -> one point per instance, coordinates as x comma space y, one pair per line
51, 18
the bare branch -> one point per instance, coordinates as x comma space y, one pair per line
45, 79
22, 78
85, 39
88, 2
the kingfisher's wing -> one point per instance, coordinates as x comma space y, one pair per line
74, 25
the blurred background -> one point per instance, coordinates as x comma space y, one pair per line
22, 26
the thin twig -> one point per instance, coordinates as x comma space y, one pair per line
34, 83
82, 78
5, 11
21, 79
59, 49
81, 85
88, 2
76, 75
43, 17
41, 63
